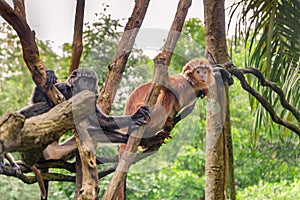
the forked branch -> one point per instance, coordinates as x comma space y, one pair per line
17, 19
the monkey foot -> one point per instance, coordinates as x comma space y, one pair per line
159, 138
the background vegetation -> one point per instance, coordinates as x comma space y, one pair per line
266, 164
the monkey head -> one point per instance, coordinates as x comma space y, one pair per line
199, 73
83, 79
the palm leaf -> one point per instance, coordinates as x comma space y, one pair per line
272, 35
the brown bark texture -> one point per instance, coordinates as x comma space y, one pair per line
77, 45
215, 38
215, 166
31, 136
86, 170
218, 131
116, 68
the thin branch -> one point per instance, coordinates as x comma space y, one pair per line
77, 45
58, 164
275, 88
239, 73
15, 172
17, 19
116, 68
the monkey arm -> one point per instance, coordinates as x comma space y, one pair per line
139, 118
184, 113
35, 109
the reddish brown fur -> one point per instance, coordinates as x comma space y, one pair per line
179, 92
184, 87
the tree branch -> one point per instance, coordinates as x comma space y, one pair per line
15, 172
239, 73
77, 45
30, 136
19, 7
116, 68
17, 19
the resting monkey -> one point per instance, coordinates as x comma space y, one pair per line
79, 80
180, 92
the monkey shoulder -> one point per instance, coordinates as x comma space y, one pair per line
178, 83
64, 89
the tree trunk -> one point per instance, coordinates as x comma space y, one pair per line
218, 116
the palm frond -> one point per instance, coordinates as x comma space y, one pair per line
271, 34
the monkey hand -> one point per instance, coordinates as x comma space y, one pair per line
141, 116
201, 93
51, 79
225, 74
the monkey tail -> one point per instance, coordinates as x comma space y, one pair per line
40, 181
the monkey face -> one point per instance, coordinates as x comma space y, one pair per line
201, 74
83, 79
85, 83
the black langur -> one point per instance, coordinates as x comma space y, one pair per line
79, 80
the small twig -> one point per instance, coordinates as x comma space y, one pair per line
77, 45
15, 172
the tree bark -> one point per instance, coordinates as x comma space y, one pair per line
218, 115
86, 166
116, 68
77, 45
31, 136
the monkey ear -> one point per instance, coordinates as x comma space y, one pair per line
186, 71
71, 78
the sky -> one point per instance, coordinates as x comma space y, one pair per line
54, 19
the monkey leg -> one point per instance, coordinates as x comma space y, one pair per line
67, 149
63, 151
158, 138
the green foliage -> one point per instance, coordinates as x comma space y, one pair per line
271, 41
168, 183
283, 190
11, 189
265, 169
15, 80
61, 190
100, 42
